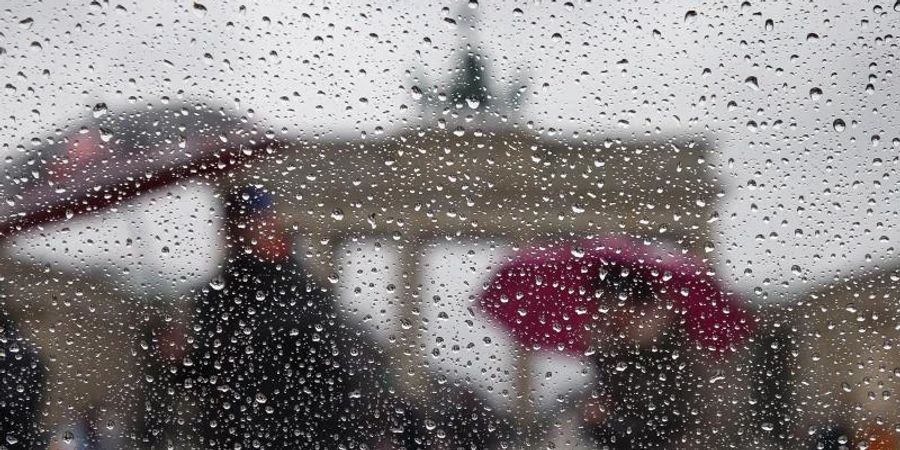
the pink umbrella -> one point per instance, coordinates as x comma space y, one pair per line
544, 296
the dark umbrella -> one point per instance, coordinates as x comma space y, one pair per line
118, 156
545, 295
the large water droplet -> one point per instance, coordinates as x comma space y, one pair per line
105, 135
217, 284
690, 16
199, 9
416, 92
839, 125
815, 94
752, 82
99, 110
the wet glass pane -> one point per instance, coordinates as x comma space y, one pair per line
462, 224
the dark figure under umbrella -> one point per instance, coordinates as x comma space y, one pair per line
640, 311
646, 388
270, 352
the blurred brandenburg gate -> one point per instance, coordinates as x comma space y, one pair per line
465, 167
468, 168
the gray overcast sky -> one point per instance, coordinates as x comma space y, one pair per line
812, 193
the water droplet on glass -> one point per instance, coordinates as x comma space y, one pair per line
199, 9
217, 284
839, 125
752, 82
815, 94
99, 110
690, 16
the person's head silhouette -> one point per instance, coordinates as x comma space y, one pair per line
253, 225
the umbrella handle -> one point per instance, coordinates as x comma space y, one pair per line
524, 405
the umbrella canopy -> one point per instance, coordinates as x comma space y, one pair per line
119, 155
545, 295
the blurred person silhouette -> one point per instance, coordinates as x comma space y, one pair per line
646, 385
22, 378
163, 351
270, 354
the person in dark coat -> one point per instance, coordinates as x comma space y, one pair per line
270, 354
22, 377
646, 384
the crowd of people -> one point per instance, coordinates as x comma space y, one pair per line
264, 358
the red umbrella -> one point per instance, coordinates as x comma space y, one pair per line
544, 296
121, 155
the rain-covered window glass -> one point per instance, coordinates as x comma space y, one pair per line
449, 225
